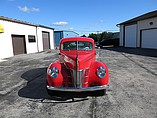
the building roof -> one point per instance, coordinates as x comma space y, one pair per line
142, 17
23, 22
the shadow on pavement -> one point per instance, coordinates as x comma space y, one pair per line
136, 51
36, 88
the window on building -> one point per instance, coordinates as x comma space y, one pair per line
31, 38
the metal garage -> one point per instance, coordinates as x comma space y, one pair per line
149, 38
46, 40
63, 34
19, 44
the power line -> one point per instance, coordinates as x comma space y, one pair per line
96, 31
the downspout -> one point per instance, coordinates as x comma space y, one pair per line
37, 38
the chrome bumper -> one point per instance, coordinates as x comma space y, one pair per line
71, 89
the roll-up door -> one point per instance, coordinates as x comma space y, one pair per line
149, 39
46, 40
130, 35
19, 44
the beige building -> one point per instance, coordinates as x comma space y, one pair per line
140, 31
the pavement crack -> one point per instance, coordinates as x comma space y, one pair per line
93, 107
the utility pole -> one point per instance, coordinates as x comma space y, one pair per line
97, 36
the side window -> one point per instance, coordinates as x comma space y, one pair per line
31, 38
69, 45
89, 45
84, 45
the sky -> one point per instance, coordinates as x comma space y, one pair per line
81, 16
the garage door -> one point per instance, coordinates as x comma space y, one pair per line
46, 40
149, 39
130, 35
19, 45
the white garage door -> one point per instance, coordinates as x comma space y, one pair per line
149, 39
130, 35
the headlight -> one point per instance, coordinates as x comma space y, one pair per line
53, 72
101, 72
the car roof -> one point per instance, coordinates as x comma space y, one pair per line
77, 39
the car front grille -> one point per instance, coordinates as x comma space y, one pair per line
78, 77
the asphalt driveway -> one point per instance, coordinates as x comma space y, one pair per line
132, 92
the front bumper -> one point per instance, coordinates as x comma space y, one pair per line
71, 89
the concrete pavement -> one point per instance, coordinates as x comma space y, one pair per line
11, 69
132, 92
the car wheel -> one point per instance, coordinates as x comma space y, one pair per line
98, 93
48, 91
54, 93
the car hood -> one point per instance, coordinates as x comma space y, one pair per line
84, 59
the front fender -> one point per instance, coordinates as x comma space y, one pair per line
59, 79
93, 77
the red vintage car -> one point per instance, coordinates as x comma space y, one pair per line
77, 70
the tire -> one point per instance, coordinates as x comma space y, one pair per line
98, 93
54, 93
48, 91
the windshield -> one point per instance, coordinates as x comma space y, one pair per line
77, 45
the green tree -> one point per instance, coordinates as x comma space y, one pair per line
101, 36
83, 35
93, 36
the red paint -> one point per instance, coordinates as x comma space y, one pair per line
86, 61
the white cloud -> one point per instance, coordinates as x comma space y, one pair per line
61, 23
35, 9
26, 9
71, 28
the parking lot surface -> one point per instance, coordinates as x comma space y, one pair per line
132, 92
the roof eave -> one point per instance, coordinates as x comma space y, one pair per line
142, 17
22, 22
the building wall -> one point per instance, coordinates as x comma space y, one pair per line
40, 39
5, 43
69, 34
12, 28
58, 37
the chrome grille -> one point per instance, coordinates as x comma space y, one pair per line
77, 77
